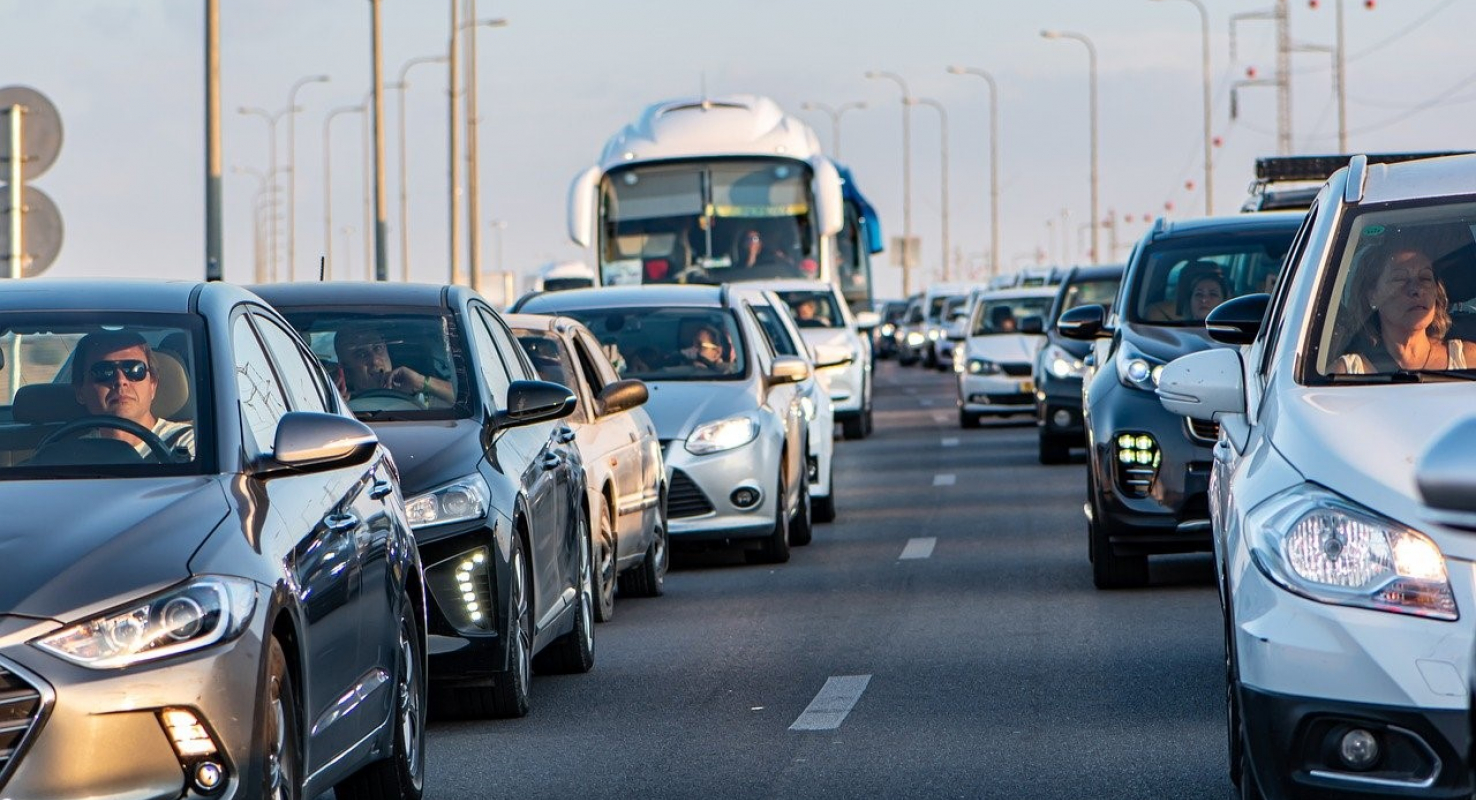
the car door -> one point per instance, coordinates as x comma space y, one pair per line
619, 442
784, 399
318, 518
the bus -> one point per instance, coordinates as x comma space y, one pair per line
713, 190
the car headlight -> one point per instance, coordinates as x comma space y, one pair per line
724, 434
932, 334
888, 329
1061, 363
462, 499
982, 366
1136, 370
915, 338
1324, 547
808, 406
196, 614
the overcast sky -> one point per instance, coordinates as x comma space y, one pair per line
127, 78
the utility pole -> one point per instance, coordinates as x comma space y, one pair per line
1282, 81
213, 244
453, 129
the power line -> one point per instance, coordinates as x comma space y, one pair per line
1422, 106
1401, 33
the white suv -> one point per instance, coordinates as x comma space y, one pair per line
831, 333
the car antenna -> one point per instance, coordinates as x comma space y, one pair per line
322, 268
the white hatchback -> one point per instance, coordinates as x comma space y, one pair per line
1343, 500
831, 333
996, 352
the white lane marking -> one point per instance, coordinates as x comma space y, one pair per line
944, 418
945, 480
950, 441
830, 707
923, 401
918, 548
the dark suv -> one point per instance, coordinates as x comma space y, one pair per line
1061, 362
1147, 469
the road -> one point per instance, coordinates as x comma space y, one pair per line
949, 610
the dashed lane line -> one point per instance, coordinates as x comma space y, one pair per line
950, 441
830, 707
918, 548
945, 480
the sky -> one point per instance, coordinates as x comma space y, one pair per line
127, 79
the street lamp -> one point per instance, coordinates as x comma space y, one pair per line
328, 183
993, 162
453, 135
1209, 136
1092, 67
271, 120
404, 84
835, 119
292, 109
943, 146
261, 190
473, 168
906, 175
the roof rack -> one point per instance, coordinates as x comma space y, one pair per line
1276, 169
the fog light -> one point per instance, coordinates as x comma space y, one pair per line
1062, 418
186, 733
744, 497
208, 776
1359, 749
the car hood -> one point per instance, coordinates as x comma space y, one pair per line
1363, 441
826, 336
1166, 343
429, 454
1005, 348
84, 545
676, 407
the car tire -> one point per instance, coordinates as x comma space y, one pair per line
775, 548
402, 774
868, 423
822, 509
1110, 570
853, 428
1053, 450
573, 653
278, 737
648, 579
604, 566
802, 530
967, 419
507, 697
930, 358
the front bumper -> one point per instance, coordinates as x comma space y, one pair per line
700, 507
461, 649
1055, 395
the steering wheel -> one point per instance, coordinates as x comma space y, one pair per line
399, 401
76, 426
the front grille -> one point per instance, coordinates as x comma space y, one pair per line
20, 708
1016, 370
684, 498
1205, 431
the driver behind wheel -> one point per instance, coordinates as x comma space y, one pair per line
113, 374
364, 356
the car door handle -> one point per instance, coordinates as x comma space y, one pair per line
381, 490
341, 523
564, 434
552, 461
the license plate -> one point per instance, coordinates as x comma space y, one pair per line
1027, 387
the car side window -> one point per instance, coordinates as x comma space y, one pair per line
1271, 330
774, 330
579, 354
262, 400
301, 378
768, 348
598, 359
489, 362
513, 358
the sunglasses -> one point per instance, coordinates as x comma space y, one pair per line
753, 237
132, 369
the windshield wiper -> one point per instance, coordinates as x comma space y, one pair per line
1407, 376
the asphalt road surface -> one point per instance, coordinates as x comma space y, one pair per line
940, 639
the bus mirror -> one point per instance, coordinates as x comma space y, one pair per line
828, 200
582, 202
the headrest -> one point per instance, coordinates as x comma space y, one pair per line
172, 398
40, 403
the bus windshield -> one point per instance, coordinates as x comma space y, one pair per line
708, 222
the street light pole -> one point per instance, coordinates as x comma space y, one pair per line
214, 247
906, 176
993, 162
404, 85
328, 185
1092, 69
835, 120
473, 165
453, 148
943, 147
381, 201
292, 109
271, 120
1209, 136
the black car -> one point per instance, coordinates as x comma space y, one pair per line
884, 336
1147, 469
495, 487
1062, 361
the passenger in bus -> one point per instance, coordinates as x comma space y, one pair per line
751, 250
1402, 316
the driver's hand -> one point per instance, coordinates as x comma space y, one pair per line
404, 379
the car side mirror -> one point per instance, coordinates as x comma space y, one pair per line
623, 396
534, 401
312, 440
789, 369
1446, 475
866, 320
831, 355
1083, 322
1204, 384
1032, 323
1238, 320
958, 330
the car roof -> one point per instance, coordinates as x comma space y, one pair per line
358, 293
790, 285
1200, 226
693, 295
1412, 180
1026, 291
550, 323
1095, 272
123, 294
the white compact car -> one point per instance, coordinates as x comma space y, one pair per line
831, 334
1343, 492
996, 353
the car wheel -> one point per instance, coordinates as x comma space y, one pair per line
402, 775
604, 563
867, 421
775, 549
573, 653
822, 509
278, 738
802, 530
1110, 570
1053, 450
853, 428
508, 695
967, 419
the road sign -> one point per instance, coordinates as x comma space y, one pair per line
905, 253
42, 126
43, 233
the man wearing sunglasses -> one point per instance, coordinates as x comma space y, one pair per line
364, 355
113, 375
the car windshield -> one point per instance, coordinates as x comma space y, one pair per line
1095, 292
1402, 303
391, 365
100, 396
668, 344
814, 309
1004, 314
1177, 282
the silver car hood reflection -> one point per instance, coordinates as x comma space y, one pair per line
71, 548
676, 407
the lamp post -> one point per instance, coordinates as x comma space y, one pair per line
1092, 67
404, 84
473, 168
328, 183
498, 227
214, 246
943, 148
271, 120
993, 162
259, 252
906, 176
1209, 136
835, 119
292, 109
